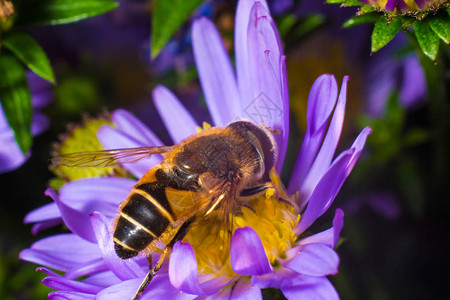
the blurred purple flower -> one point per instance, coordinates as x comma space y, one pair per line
384, 203
11, 157
88, 207
388, 75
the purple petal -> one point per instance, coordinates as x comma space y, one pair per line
79, 198
421, 3
87, 268
311, 288
223, 294
242, 22
321, 101
97, 194
326, 190
177, 119
41, 99
123, 269
274, 280
358, 146
330, 184
40, 123
315, 260
11, 157
215, 72
46, 212
104, 279
44, 225
268, 80
183, 272
330, 236
326, 153
247, 255
111, 138
413, 87
132, 126
381, 80
62, 252
338, 223
36, 83
75, 220
385, 204
61, 283
390, 5
61, 295
159, 288
244, 290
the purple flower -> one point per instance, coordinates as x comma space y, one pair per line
265, 251
404, 6
11, 157
387, 75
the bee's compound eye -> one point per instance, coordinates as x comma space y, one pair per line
123, 252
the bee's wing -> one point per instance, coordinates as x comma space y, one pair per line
107, 158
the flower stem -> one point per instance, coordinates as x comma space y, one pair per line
439, 108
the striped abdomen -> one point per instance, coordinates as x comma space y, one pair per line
144, 217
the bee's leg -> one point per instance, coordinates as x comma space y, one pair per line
150, 261
254, 191
181, 233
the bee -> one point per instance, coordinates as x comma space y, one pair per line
219, 169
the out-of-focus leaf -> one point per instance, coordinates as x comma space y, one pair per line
384, 32
335, 1
416, 136
16, 99
53, 12
366, 18
292, 28
286, 23
167, 18
428, 40
440, 24
31, 53
308, 24
385, 139
76, 94
411, 186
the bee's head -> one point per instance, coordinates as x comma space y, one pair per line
262, 139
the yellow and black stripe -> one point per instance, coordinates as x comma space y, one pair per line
144, 217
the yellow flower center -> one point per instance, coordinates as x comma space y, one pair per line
83, 138
273, 216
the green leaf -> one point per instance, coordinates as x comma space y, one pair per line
353, 3
29, 51
416, 136
167, 18
384, 32
53, 12
16, 99
335, 1
428, 40
407, 21
411, 185
366, 18
307, 25
440, 24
